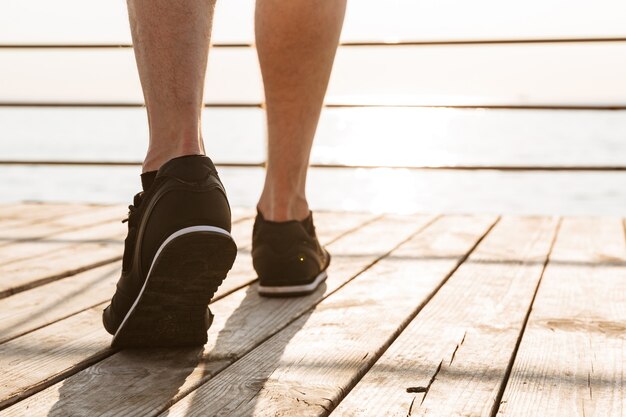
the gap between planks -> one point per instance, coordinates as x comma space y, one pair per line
571, 359
243, 320
452, 358
32, 309
65, 222
94, 341
39, 262
28, 212
306, 368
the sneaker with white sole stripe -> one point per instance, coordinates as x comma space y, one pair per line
177, 253
288, 257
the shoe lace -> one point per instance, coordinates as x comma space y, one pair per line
131, 237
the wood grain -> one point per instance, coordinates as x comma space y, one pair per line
41, 261
306, 368
453, 357
37, 307
572, 358
36, 262
28, 250
24, 213
33, 310
51, 352
329, 227
10, 234
140, 382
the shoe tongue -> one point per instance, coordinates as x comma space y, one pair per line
147, 178
188, 168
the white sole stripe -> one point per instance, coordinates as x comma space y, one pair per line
170, 238
287, 289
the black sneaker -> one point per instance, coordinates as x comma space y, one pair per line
177, 253
287, 257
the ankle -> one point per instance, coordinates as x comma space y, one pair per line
159, 155
284, 210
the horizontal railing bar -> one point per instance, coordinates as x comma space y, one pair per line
103, 46
491, 106
344, 166
107, 105
352, 43
337, 105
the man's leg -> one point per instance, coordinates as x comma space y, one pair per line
296, 41
171, 41
179, 248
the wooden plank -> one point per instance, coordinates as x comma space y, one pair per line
32, 263
457, 75
28, 250
429, 136
65, 222
47, 213
23, 213
35, 308
151, 379
69, 253
452, 359
306, 368
15, 213
52, 356
572, 358
8, 210
92, 21
374, 190
329, 227
19, 210
32, 309
38, 217
239, 214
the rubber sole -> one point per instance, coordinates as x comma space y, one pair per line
172, 307
292, 290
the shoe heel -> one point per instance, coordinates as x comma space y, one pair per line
172, 309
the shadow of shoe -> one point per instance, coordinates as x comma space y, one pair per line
148, 381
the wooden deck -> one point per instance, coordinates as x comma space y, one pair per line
421, 315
